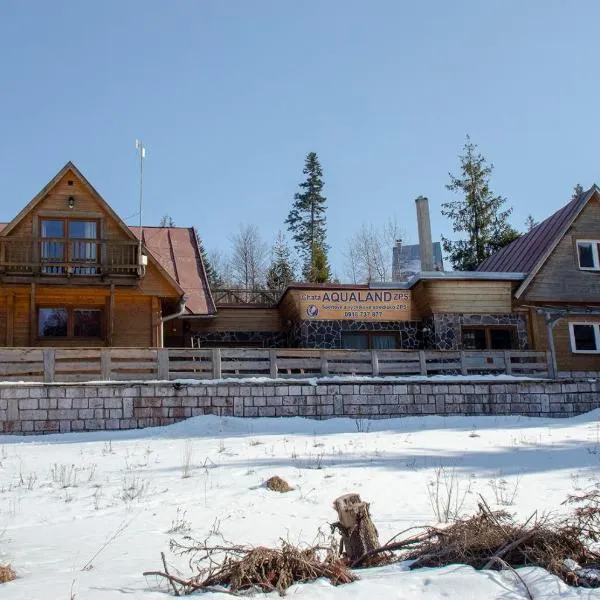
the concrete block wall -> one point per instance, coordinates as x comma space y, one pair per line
54, 408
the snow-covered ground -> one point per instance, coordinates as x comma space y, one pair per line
83, 515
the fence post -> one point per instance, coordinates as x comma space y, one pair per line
508, 362
463, 364
423, 362
324, 363
105, 366
49, 365
374, 363
163, 363
551, 369
216, 363
273, 363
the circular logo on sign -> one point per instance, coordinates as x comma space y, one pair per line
312, 310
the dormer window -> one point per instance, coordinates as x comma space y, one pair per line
588, 255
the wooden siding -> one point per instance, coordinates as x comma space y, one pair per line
133, 322
462, 296
239, 319
560, 279
565, 359
55, 203
154, 284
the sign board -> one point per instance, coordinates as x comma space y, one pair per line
355, 305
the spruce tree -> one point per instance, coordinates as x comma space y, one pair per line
479, 213
281, 270
167, 221
530, 222
318, 271
214, 279
306, 220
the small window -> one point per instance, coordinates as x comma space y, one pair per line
355, 341
489, 338
370, 340
585, 337
67, 322
87, 322
53, 322
588, 254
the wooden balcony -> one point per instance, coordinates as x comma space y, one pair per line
68, 258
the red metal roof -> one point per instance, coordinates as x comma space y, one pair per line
176, 251
522, 255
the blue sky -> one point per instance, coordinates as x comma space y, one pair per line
230, 95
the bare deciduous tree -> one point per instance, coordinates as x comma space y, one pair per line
369, 252
249, 258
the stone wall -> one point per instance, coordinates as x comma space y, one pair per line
328, 334
49, 408
447, 328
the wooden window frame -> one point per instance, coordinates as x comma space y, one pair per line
595, 253
596, 328
488, 338
371, 334
71, 322
67, 251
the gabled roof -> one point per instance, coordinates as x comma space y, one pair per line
528, 253
172, 250
176, 249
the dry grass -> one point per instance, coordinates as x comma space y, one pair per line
493, 540
7, 573
239, 570
277, 484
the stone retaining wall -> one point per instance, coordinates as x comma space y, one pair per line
50, 408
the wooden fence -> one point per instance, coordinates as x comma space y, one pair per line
119, 364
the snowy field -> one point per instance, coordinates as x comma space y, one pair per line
83, 515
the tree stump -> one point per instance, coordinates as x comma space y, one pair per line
359, 534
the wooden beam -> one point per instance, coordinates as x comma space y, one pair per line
10, 319
110, 333
155, 322
32, 316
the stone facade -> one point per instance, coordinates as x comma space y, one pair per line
262, 339
328, 334
445, 329
53, 408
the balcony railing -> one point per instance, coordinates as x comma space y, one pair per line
68, 257
223, 297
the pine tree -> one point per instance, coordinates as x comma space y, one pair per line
318, 271
306, 219
281, 271
480, 213
214, 279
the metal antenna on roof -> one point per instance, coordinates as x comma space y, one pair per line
139, 146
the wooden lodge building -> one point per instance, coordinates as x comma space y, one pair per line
72, 273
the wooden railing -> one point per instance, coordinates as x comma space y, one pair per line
67, 256
109, 364
223, 297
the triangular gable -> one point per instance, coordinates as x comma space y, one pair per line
104, 205
555, 240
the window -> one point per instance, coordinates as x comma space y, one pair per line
369, 340
588, 254
62, 322
69, 245
585, 337
489, 338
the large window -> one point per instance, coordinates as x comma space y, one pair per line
489, 338
62, 322
588, 254
369, 340
585, 337
69, 246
